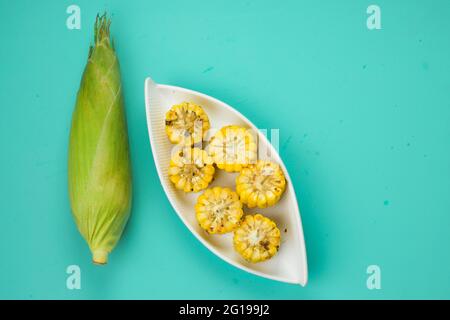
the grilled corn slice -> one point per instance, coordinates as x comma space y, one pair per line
186, 123
233, 148
257, 238
261, 184
218, 210
191, 169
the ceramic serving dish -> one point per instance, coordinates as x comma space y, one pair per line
290, 264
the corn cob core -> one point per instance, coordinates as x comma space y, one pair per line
261, 184
218, 210
186, 124
99, 170
257, 238
233, 148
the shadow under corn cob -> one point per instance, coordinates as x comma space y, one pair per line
99, 162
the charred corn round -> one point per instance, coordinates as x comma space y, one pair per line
261, 184
186, 123
257, 238
233, 148
191, 169
218, 210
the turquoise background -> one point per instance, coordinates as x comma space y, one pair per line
364, 119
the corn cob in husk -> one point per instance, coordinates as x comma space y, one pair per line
99, 166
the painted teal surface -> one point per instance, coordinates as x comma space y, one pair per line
364, 119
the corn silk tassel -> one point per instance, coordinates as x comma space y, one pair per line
99, 166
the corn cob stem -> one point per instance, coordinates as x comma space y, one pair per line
100, 256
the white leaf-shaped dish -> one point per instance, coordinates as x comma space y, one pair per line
289, 265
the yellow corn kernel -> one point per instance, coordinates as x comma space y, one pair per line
218, 210
257, 238
191, 169
186, 124
261, 184
233, 148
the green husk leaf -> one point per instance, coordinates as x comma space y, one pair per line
99, 168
